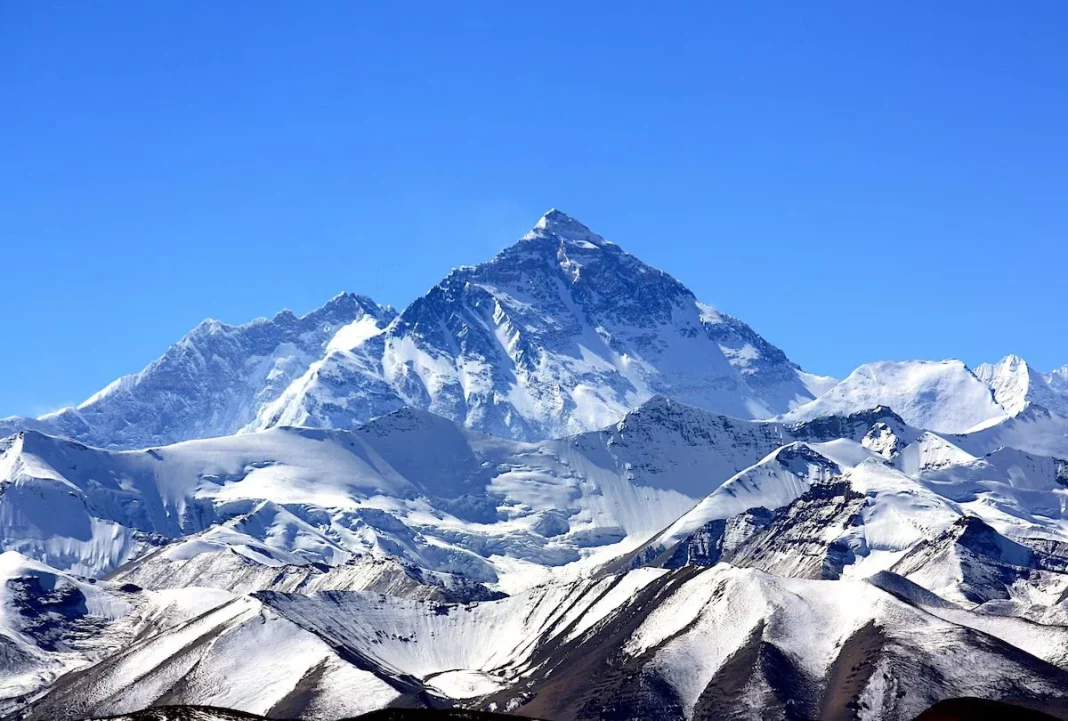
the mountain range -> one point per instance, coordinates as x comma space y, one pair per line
561, 333
556, 485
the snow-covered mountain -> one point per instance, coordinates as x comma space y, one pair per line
944, 396
406, 501
1058, 380
53, 622
650, 643
212, 382
1016, 385
1003, 404
556, 485
561, 333
842, 508
352, 548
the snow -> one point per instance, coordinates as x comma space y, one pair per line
254, 660
622, 591
845, 452
213, 382
903, 512
351, 335
464, 684
772, 483
817, 385
34, 655
1035, 430
693, 633
700, 626
931, 451
428, 640
1016, 386
942, 396
252, 653
405, 486
626, 416
259, 510
559, 334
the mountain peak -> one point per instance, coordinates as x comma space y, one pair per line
509, 347
354, 305
560, 224
1011, 363
1016, 385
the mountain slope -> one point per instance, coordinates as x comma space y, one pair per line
213, 381
239, 655
1058, 380
53, 622
738, 643
1034, 430
329, 529
943, 396
739, 507
690, 643
828, 509
446, 507
559, 334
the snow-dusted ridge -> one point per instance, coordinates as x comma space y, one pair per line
1016, 385
943, 396
650, 643
557, 484
212, 382
451, 506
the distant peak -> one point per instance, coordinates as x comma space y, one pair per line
560, 224
347, 299
556, 220
1013, 361
356, 305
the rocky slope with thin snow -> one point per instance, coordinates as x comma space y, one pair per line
648, 644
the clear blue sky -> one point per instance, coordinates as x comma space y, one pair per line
856, 180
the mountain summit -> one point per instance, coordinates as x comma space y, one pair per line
561, 225
560, 333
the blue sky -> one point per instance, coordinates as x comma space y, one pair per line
857, 181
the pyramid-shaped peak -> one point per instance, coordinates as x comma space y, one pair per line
559, 224
1012, 361
355, 305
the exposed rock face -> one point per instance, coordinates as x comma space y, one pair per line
789, 542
